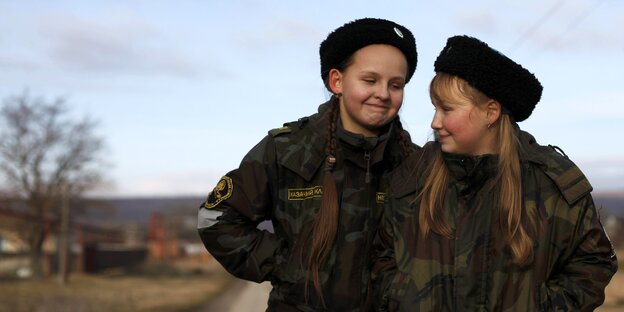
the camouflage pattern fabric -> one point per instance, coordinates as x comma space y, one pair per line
573, 257
280, 180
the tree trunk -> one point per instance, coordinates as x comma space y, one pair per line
63, 248
36, 239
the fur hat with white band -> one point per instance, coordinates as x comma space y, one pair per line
345, 40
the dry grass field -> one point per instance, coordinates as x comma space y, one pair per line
180, 288
188, 286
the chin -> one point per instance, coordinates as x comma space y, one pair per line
447, 149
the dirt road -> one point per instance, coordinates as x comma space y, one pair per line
241, 296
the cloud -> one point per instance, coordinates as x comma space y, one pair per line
480, 21
576, 108
11, 61
281, 30
124, 45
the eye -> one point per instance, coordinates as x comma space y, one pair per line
398, 85
369, 80
443, 108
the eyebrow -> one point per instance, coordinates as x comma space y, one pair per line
370, 72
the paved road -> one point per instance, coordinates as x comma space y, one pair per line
242, 296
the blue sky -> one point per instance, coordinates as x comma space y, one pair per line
182, 90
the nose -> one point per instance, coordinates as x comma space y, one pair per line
382, 92
436, 122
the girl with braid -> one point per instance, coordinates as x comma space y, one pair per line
319, 179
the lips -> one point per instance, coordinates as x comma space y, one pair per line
441, 137
378, 106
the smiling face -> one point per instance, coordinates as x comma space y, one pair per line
464, 118
370, 89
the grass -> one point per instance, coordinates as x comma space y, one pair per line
152, 287
156, 287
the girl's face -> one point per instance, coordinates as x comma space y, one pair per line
370, 88
462, 127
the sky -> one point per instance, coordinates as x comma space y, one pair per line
182, 90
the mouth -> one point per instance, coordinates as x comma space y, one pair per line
441, 137
377, 106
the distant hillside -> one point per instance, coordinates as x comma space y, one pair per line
140, 209
610, 204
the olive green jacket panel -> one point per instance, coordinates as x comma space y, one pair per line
280, 180
573, 258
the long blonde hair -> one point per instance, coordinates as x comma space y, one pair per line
516, 225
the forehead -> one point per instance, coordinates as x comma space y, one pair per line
449, 89
379, 53
449, 96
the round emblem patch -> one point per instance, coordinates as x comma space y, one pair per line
221, 192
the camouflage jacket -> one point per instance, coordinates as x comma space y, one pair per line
280, 180
573, 257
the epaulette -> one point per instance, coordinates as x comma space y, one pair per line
570, 180
281, 130
290, 127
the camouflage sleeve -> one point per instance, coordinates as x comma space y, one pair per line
384, 265
228, 220
583, 273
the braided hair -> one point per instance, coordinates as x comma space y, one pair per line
325, 224
404, 140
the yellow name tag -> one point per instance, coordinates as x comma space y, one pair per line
380, 197
305, 193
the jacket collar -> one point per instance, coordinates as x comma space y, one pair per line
305, 152
354, 146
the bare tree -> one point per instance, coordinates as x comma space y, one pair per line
44, 149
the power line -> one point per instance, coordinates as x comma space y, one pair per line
576, 21
571, 26
535, 26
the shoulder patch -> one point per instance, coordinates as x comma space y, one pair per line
221, 192
280, 130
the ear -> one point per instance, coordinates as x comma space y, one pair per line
335, 81
494, 111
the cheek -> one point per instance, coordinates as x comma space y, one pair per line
354, 96
397, 99
453, 124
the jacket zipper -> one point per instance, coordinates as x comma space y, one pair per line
367, 157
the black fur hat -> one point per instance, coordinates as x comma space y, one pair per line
352, 36
492, 73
